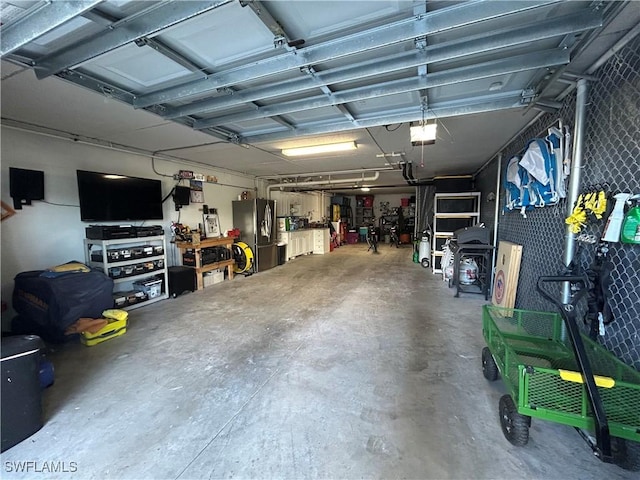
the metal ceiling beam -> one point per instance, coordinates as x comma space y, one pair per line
281, 39
282, 122
420, 44
87, 80
263, 14
171, 54
310, 71
518, 63
38, 21
433, 53
107, 20
433, 22
147, 22
482, 104
100, 86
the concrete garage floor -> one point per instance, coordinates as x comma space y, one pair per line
342, 366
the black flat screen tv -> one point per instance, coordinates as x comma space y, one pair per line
106, 197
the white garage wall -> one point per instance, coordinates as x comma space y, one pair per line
42, 235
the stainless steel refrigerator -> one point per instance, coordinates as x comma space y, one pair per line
256, 220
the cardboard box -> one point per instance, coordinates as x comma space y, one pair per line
505, 284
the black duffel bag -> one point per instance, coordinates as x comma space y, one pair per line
47, 306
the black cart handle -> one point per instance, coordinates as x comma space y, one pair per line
603, 442
578, 279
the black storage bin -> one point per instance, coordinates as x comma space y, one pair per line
181, 280
21, 390
282, 254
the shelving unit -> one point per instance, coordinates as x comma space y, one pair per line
451, 212
341, 212
385, 223
364, 210
127, 260
408, 219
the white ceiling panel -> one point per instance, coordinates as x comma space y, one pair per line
136, 68
372, 106
308, 19
221, 37
323, 114
66, 34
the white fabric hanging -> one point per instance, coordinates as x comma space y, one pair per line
265, 226
533, 161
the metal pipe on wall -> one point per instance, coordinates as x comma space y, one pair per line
575, 177
333, 172
321, 182
496, 216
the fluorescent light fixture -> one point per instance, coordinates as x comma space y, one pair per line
365, 189
423, 134
315, 149
113, 177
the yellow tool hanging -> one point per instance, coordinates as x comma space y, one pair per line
578, 217
590, 203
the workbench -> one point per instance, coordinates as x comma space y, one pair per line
206, 243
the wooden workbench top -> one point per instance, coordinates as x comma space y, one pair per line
207, 242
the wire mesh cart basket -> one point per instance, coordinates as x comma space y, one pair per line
554, 372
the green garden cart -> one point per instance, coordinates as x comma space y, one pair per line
555, 372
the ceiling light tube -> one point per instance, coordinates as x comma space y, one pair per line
315, 149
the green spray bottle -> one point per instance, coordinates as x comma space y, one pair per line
630, 232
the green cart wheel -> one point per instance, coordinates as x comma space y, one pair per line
514, 426
489, 367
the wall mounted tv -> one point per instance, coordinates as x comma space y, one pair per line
106, 197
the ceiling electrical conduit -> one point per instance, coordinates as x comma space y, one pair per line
333, 172
322, 182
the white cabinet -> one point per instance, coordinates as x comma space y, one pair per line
321, 241
451, 212
298, 242
128, 260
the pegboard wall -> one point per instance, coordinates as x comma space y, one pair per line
611, 155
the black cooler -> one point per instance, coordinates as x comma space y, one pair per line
181, 280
